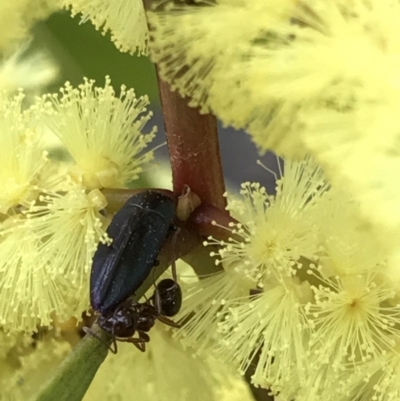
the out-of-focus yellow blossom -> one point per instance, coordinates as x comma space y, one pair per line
210, 40
29, 364
164, 372
17, 17
126, 21
101, 132
249, 63
31, 72
12, 342
336, 210
352, 126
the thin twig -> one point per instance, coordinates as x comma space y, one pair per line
193, 148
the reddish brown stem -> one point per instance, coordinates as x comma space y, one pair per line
201, 220
193, 148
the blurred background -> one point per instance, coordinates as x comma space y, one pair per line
81, 51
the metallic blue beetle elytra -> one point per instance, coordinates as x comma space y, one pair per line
138, 230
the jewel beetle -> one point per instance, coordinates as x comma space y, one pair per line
138, 231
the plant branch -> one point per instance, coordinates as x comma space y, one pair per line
211, 221
73, 377
193, 148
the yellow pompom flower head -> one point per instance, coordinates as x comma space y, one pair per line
46, 257
274, 236
276, 230
22, 153
101, 131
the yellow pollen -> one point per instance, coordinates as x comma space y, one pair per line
270, 248
353, 303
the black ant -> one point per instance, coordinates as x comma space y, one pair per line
131, 317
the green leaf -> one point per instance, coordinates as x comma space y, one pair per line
73, 377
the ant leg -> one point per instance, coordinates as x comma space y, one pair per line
168, 322
89, 332
144, 336
139, 343
144, 339
141, 346
114, 341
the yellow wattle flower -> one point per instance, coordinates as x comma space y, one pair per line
46, 256
125, 20
101, 131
